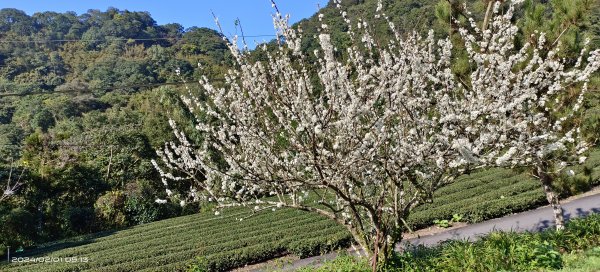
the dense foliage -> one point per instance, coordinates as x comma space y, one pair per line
84, 101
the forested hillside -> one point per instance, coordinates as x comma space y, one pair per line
85, 99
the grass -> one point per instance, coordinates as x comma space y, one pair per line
585, 261
222, 242
575, 249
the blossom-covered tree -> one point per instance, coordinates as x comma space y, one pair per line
525, 103
360, 136
361, 139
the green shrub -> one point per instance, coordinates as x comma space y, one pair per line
79, 219
110, 208
140, 206
545, 255
17, 228
442, 223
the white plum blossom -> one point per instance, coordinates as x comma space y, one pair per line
378, 133
371, 140
515, 95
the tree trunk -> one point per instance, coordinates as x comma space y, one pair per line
375, 251
552, 197
380, 250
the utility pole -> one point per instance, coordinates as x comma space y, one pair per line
8, 253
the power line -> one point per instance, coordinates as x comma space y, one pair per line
82, 90
82, 40
63, 145
74, 145
116, 39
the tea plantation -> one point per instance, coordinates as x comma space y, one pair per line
223, 242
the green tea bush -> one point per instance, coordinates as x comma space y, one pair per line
220, 242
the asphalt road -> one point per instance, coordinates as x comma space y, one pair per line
533, 220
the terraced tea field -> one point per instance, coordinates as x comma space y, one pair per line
223, 242
170, 244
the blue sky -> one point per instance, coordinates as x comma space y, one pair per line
255, 15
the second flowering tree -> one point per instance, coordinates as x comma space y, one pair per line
525, 103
